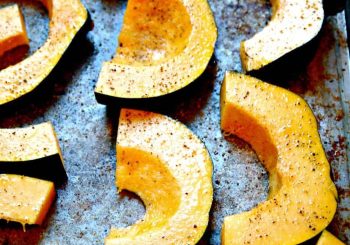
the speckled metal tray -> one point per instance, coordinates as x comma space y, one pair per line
88, 205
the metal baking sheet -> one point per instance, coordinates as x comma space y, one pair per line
88, 205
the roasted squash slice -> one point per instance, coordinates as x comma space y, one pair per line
293, 24
32, 151
164, 45
12, 29
327, 238
164, 163
66, 18
282, 130
24, 199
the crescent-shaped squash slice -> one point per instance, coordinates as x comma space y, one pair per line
327, 238
12, 29
66, 19
164, 163
25, 199
293, 24
282, 130
32, 151
164, 45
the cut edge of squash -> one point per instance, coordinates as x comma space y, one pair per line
122, 81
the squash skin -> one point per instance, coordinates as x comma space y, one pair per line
33, 151
132, 76
333, 7
177, 193
327, 238
25, 200
21, 79
12, 29
293, 24
302, 197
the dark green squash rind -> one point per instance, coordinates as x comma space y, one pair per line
165, 101
332, 7
39, 90
49, 168
298, 59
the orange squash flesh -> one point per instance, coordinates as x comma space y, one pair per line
139, 170
32, 151
327, 238
170, 169
12, 29
293, 24
66, 19
25, 200
164, 45
165, 34
282, 130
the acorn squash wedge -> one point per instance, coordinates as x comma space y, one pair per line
25, 199
327, 238
164, 45
282, 129
12, 29
164, 163
66, 19
293, 24
32, 151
